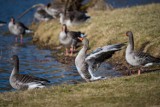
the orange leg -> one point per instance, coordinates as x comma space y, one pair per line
139, 72
71, 49
67, 53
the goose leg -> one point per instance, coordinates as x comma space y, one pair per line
16, 39
21, 38
93, 78
139, 71
67, 52
71, 49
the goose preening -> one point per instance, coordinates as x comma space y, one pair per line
41, 15
69, 39
73, 18
86, 64
23, 81
138, 58
53, 10
50, 11
2, 23
18, 29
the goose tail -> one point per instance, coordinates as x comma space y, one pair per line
29, 31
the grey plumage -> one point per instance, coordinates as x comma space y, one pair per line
23, 81
69, 38
17, 28
41, 15
73, 18
2, 23
138, 58
86, 64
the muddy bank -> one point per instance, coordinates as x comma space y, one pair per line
108, 27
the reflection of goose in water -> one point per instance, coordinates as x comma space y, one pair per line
138, 58
18, 29
87, 64
23, 81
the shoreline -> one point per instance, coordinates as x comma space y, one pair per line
46, 33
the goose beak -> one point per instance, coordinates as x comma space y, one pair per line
80, 38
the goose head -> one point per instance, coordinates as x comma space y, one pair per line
64, 28
85, 42
12, 20
15, 58
129, 33
131, 40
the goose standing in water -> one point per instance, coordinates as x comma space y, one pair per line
73, 18
69, 39
18, 29
86, 64
23, 81
138, 58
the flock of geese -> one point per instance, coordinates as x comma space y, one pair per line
85, 63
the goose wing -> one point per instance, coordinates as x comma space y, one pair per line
23, 78
21, 25
99, 55
145, 58
74, 34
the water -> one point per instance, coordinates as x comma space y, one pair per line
37, 62
34, 61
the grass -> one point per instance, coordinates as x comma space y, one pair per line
105, 27
133, 91
108, 27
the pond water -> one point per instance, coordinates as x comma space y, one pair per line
34, 61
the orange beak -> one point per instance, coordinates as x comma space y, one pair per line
81, 39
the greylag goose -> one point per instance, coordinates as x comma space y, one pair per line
86, 64
2, 23
53, 11
23, 81
73, 18
41, 15
69, 39
138, 58
18, 29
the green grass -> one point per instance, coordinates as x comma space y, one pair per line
131, 91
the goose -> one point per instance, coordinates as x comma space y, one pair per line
2, 23
23, 81
18, 29
69, 39
41, 15
86, 64
51, 10
138, 58
71, 18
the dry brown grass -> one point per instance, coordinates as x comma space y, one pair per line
108, 27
